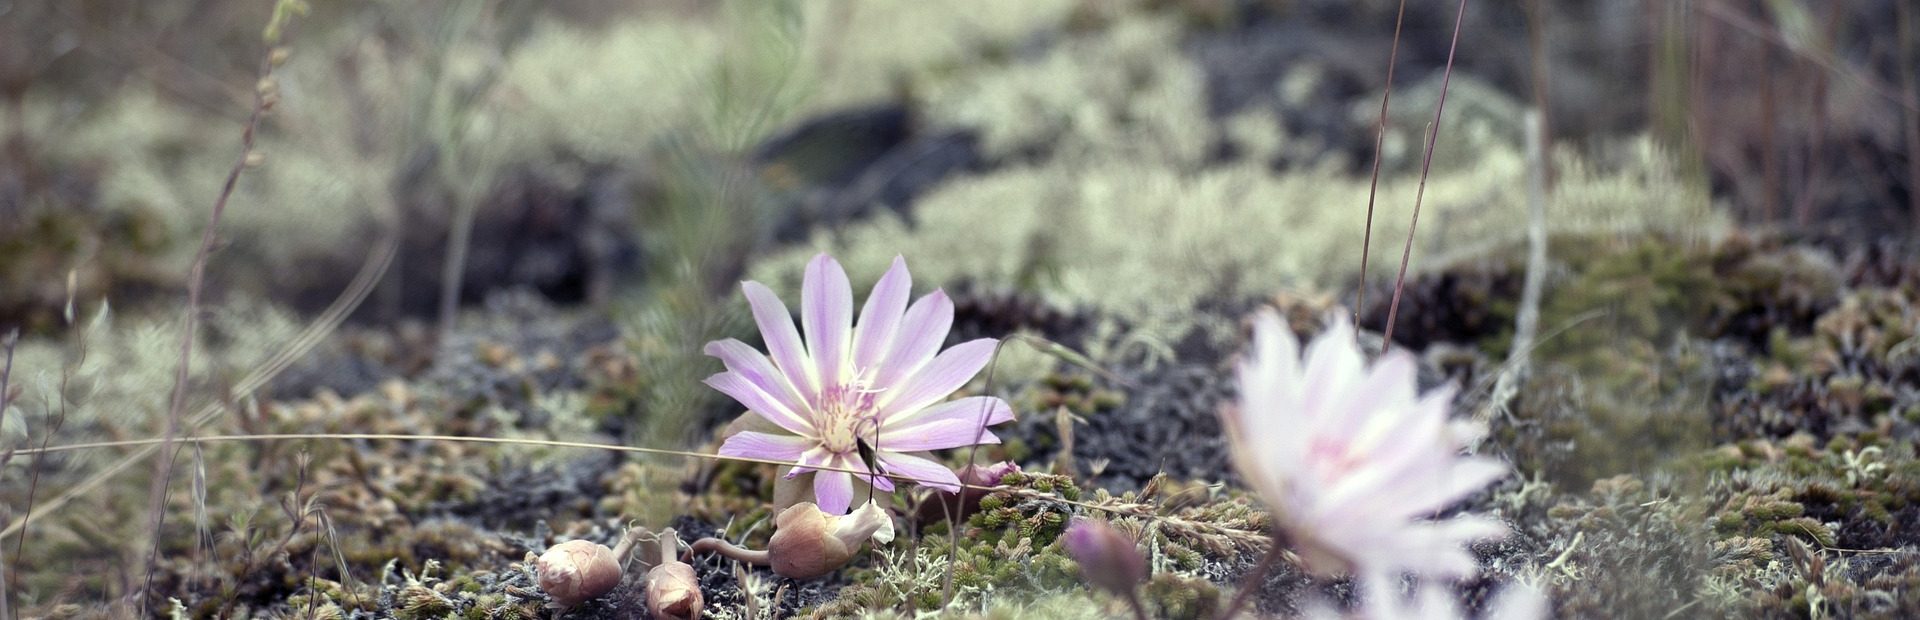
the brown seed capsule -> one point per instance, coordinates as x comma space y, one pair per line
578, 571
673, 590
808, 543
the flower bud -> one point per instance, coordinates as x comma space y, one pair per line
1108, 559
808, 543
673, 590
939, 506
578, 571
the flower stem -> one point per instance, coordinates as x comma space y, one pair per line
1133, 600
729, 551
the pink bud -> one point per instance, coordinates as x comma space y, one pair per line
938, 506
1108, 559
988, 475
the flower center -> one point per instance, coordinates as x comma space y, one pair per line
1335, 458
846, 414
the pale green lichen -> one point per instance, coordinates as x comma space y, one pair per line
1123, 93
1102, 199
1149, 242
128, 367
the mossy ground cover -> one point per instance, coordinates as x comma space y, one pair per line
1716, 421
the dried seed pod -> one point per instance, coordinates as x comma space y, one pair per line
578, 571
673, 590
810, 543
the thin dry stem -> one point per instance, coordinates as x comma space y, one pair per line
196, 280
1426, 166
1379, 139
757, 557
78, 357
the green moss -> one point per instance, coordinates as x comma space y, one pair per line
1181, 598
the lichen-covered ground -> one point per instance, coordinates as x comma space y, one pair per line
1719, 417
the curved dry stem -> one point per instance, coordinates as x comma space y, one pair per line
757, 557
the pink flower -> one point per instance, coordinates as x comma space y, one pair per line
880, 382
1351, 460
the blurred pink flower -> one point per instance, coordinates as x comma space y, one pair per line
880, 381
1352, 461
1108, 559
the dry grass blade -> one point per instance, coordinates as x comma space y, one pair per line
1379, 139
1426, 167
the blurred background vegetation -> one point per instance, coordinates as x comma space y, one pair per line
532, 214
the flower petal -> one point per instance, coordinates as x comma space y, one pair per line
946, 373
885, 307
783, 341
975, 410
921, 471
921, 333
767, 446
749, 363
826, 315
833, 491
937, 435
883, 483
1334, 365
813, 458
756, 399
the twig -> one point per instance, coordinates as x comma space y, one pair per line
1379, 139
1426, 166
264, 96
